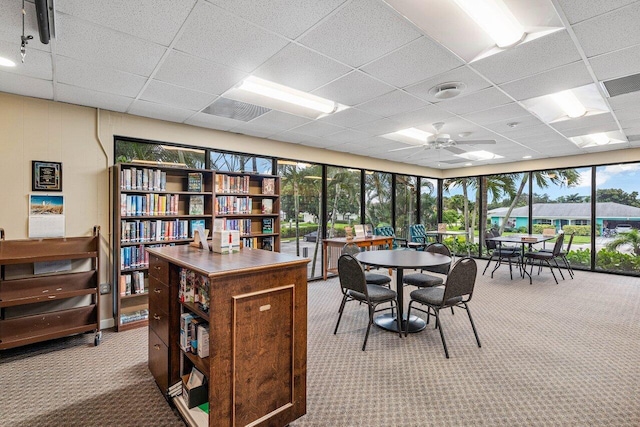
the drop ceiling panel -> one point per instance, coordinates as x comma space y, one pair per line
353, 89
92, 43
347, 135
37, 63
217, 35
350, 117
421, 59
392, 103
159, 111
150, 20
620, 26
580, 10
253, 129
628, 114
492, 115
604, 121
421, 117
277, 121
616, 64
539, 55
319, 143
466, 75
290, 136
212, 122
628, 100
194, 73
98, 78
11, 28
26, 86
477, 101
317, 129
168, 94
79, 96
300, 68
521, 122
348, 37
380, 127
550, 81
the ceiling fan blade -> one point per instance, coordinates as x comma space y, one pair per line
477, 141
454, 150
407, 148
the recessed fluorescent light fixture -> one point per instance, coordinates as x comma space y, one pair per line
598, 139
412, 136
569, 104
495, 19
254, 90
526, 157
6, 62
479, 155
468, 164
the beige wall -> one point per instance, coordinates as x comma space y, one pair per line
82, 139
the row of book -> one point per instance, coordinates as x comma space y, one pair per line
194, 335
241, 225
143, 179
156, 230
232, 205
232, 184
136, 256
132, 283
134, 317
194, 288
265, 243
149, 204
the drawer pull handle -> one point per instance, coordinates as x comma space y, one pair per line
155, 316
59, 289
156, 346
156, 267
157, 290
45, 291
51, 296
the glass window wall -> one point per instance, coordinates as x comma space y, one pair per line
461, 213
377, 189
406, 201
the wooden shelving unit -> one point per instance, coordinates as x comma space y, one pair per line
144, 204
38, 307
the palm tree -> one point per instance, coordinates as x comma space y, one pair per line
631, 238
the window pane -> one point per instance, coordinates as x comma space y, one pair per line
377, 198
429, 203
231, 162
618, 218
506, 203
300, 198
461, 213
343, 199
406, 213
133, 151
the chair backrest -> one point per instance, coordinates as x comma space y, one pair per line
417, 233
557, 248
570, 241
490, 244
385, 230
548, 231
439, 248
495, 232
351, 275
350, 249
461, 280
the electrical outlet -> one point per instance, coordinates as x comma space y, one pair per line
105, 288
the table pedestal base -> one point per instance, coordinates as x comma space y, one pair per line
388, 322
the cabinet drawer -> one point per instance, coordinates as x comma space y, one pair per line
158, 269
159, 323
158, 296
159, 361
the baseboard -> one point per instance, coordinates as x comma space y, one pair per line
107, 323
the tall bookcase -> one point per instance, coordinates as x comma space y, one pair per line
249, 203
154, 206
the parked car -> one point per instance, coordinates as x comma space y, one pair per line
623, 228
311, 237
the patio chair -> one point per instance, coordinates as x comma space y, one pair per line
563, 254
388, 231
500, 253
418, 234
546, 257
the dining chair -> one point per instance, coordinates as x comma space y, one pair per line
422, 280
388, 231
456, 293
371, 278
355, 288
500, 253
418, 234
563, 254
546, 257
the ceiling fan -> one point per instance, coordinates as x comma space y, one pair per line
444, 141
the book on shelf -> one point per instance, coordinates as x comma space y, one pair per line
267, 225
194, 182
195, 224
203, 340
267, 244
268, 186
196, 378
267, 206
196, 205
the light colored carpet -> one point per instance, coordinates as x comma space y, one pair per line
552, 355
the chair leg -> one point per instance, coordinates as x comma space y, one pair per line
559, 269
472, 325
444, 343
344, 300
551, 268
399, 319
487, 266
366, 337
569, 268
406, 329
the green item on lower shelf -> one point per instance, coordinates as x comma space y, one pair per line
204, 407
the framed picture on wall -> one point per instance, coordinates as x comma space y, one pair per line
47, 176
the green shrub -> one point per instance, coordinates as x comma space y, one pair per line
538, 228
579, 230
606, 260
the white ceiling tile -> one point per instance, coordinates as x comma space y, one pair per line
281, 16
290, 136
159, 111
215, 34
349, 118
521, 122
527, 59
549, 81
92, 43
380, 127
609, 32
188, 71
26, 86
80, 96
492, 115
11, 26
628, 100
482, 100
421, 117
253, 129
466, 75
317, 128
347, 135
392, 103
157, 21
595, 121
37, 63
421, 59
628, 114
165, 93
360, 32
616, 64
212, 122
277, 121
353, 89
319, 143
300, 68
97, 78
580, 10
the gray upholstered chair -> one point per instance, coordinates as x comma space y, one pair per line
372, 278
456, 293
500, 253
422, 280
546, 257
563, 254
355, 288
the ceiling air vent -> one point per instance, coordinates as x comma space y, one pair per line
447, 90
236, 110
622, 85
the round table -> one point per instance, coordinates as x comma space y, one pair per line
399, 260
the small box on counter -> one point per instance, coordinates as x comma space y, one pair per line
226, 241
193, 395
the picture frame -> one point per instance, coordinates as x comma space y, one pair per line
46, 176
